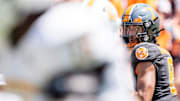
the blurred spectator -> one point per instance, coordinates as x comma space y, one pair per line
177, 4
175, 51
176, 56
172, 24
165, 8
177, 78
165, 38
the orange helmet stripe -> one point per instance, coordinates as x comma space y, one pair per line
126, 17
137, 20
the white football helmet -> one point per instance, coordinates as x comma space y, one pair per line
70, 36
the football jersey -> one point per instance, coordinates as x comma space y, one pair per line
162, 60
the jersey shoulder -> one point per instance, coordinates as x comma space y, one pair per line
146, 51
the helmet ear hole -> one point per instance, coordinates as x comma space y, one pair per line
147, 24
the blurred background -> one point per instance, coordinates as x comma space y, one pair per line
17, 17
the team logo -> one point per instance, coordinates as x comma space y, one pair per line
141, 53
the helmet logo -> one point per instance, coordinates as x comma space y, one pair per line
141, 53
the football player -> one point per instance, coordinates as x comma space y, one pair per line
152, 65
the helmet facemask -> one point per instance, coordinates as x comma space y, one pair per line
129, 34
